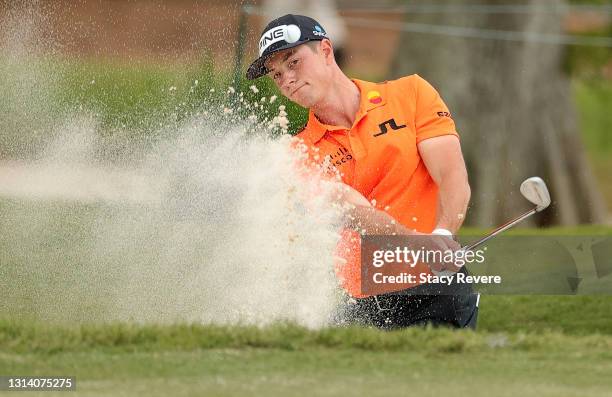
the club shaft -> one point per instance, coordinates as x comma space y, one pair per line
500, 229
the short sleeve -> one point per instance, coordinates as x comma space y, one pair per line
432, 117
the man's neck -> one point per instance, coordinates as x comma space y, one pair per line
341, 103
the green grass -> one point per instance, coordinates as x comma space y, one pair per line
570, 315
526, 320
284, 359
594, 101
329, 372
582, 230
141, 97
130, 96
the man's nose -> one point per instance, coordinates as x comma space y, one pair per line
288, 80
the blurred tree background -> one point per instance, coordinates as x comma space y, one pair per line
513, 103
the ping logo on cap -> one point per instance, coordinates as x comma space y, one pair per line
288, 33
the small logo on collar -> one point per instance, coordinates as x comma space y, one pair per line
374, 97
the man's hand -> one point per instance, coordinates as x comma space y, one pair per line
445, 244
443, 266
436, 247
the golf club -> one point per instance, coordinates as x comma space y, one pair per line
533, 189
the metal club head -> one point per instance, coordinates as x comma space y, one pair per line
534, 189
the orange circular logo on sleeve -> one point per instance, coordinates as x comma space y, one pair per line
374, 97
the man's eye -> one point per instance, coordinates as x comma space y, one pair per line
294, 62
276, 76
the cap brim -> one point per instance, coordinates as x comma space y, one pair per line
258, 67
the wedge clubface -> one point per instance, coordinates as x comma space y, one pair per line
533, 189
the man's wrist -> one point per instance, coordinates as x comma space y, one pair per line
442, 232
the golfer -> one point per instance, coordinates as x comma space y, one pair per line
395, 144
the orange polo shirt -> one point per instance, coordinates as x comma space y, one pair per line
378, 157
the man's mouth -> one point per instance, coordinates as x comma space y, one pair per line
297, 89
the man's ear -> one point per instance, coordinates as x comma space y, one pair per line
327, 50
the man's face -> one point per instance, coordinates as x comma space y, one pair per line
300, 74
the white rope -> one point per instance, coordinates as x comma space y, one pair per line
484, 9
467, 9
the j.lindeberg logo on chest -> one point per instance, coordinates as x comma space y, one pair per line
384, 127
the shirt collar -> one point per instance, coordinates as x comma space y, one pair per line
373, 95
